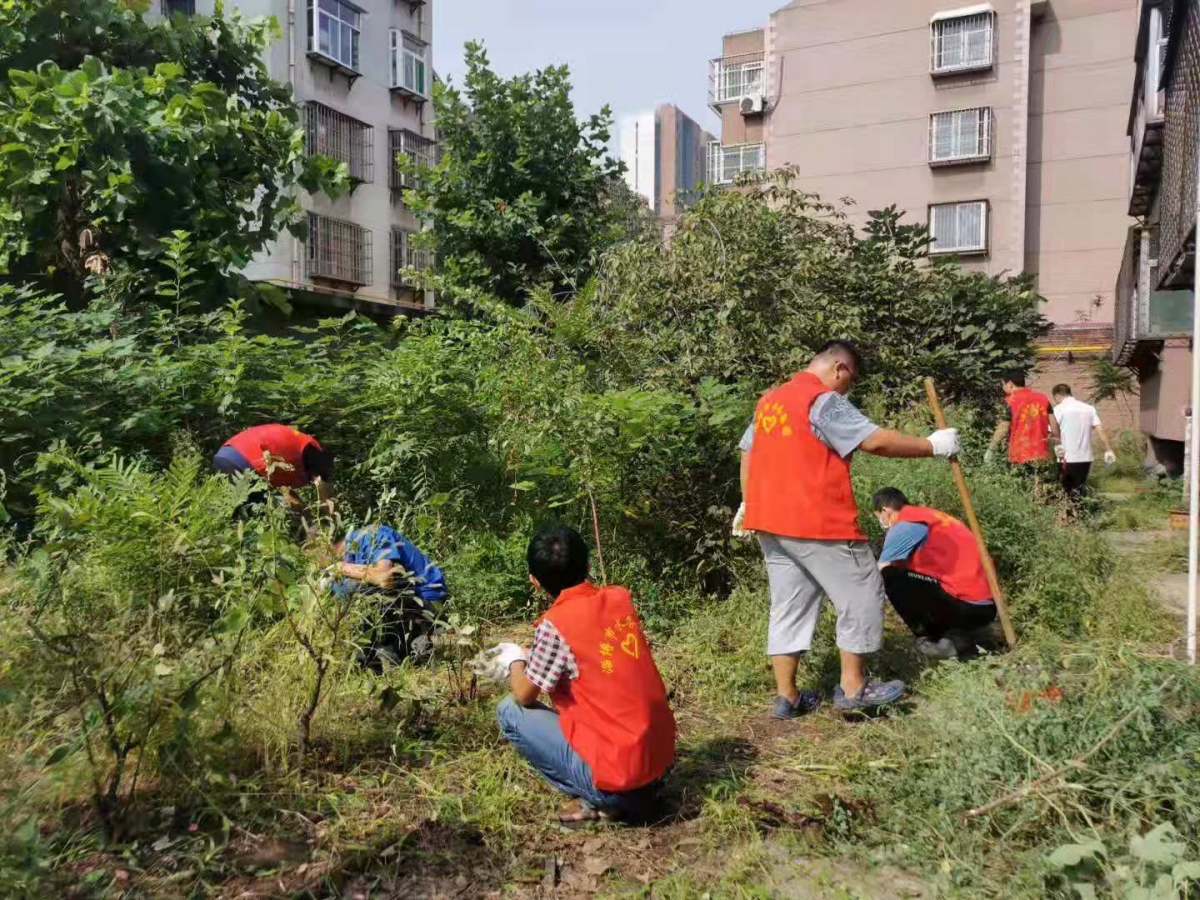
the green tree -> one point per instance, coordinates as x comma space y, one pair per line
525, 194
116, 132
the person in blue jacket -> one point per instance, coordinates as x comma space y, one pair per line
412, 591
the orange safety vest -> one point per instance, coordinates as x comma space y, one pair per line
949, 554
280, 441
1029, 432
615, 714
797, 486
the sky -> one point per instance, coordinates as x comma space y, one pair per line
630, 54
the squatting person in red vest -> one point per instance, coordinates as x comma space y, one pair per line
798, 498
610, 738
933, 575
287, 458
1029, 424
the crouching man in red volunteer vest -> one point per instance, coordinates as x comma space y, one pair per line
934, 577
610, 738
798, 498
1029, 425
287, 458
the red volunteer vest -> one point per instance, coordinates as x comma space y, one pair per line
615, 714
278, 440
949, 554
797, 486
1029, 433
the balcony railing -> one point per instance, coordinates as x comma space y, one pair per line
726, 163
338, 251
1142, 313
342, 137
421, 152
1145, 134
406, 256
731, 78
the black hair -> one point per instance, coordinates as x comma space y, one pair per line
1061, 390
846, 350
1016, 376
317, 462
558, 558
889, 498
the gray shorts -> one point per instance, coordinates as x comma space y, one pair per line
800, 571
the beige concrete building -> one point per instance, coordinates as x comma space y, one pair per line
1002, 125
664, 152
363, 71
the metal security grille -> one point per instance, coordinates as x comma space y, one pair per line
343, 137
420, 150
730, 78
406, 256
958, 227
169, 7
1177, 186
960, 135
961, 44
338, 250
726, 163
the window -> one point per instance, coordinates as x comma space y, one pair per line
346, 139
958, 227
962, 42
1156, 58
960, 135
733, 77
406, 256
407, 62
421, 151
333, 30
727, 163
340, 251
184, 7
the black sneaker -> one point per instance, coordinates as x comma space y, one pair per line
805, 702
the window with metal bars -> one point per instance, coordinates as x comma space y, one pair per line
406, 256
343, 137
959, 227
726, 163
333, 31
337, 250
733, 77
960, 135
421, 152
962, 43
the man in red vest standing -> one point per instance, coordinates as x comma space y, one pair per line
933, 575
1029, 424
285, 457
798, 498
610, 738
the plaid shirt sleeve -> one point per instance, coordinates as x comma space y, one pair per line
550, 658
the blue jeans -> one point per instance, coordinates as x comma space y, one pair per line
534, 732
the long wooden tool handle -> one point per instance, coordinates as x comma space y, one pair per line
1010, 634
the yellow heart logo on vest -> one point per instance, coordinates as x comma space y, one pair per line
630, 645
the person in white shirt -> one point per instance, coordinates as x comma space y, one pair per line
1076, 422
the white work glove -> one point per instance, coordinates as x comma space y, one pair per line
496, 662
945, 442
738, 530
1060, 453
989, 456
1110, 458
328, 576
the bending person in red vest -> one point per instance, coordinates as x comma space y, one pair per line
798, 498
1029, 425
287, 458
934, 577
610, 738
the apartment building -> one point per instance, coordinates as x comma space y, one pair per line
664, 151
1002, 125
1154, 290
362, 71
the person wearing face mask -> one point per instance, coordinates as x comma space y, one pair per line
934, 576
798, 498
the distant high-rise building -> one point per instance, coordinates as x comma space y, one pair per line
664, 154
362, 73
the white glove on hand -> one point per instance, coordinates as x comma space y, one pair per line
328, 576
1060, 453
1110, 458
989, 457
496, 662
945, 442
738, 530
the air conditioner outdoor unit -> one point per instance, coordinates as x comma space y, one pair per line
752, 105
